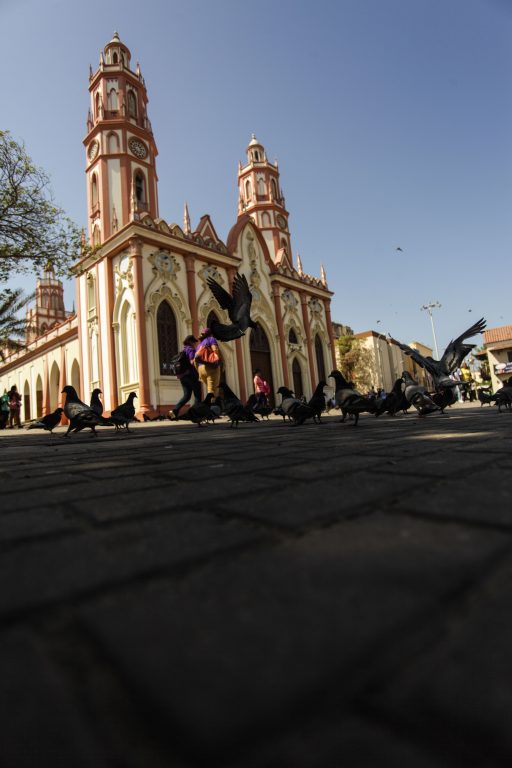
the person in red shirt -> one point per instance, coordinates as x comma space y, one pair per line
261, 388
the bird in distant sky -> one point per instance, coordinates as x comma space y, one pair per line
399, 249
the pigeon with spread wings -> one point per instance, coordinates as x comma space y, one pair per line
453, 356
237, 305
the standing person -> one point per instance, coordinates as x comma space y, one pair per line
208, 361
261, 388
14, 407
4, 409
189, 379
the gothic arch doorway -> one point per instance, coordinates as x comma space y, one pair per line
261, 357
297, 378
39, 397
319, 353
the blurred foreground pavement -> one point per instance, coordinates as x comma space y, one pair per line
272, 596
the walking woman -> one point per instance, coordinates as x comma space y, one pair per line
189, 378
14, 407
208, 361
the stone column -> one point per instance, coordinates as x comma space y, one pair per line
279, 319
140, 324
191, 290
109, 333
328, 321
307, 329
62, 383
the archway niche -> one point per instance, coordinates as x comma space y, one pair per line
261, 357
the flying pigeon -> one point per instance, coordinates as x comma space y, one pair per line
96, 403
48, 422
453, 356
238, 306
124, 413
351, 402
399, 249
80, 415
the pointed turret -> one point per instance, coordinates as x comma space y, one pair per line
186, 220
260, 196
323, 276
299, 265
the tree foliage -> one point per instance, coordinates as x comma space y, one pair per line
356, 362
33, 230
13, 328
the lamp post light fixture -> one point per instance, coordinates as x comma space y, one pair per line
429, 308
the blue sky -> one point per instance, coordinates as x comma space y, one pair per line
391, 121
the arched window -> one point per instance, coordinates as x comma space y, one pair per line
91, 292
113, 143
96, 236
54, 301
112, 101
265, 220
97, 102
292, 337
132, 104
248, 190
114, 58
94, 191
319, 353
262, 190
140, 188
45, 300
256, 155
273, 185
167, 336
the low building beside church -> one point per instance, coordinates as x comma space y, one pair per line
142, 287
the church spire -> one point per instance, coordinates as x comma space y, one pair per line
186, 220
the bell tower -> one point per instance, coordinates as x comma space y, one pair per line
120, 148
261, 196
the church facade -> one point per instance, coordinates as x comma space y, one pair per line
141, 286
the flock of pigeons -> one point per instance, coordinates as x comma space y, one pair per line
406, 392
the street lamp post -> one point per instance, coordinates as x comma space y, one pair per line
429, 308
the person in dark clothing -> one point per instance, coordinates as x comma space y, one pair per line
14, 407
189, 379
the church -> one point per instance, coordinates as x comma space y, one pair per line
141, 285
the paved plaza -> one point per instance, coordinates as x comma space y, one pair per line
274, 596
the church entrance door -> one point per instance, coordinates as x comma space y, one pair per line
261, 358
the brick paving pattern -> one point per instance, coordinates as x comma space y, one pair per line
271, 596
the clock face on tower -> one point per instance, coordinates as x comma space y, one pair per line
138, 148
93, 150
281, 222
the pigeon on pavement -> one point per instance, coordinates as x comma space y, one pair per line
96, 403
351, 402
317, 402
80, 415
48, 422
124, 413
294, 408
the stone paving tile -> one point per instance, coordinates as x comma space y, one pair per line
484, 496
295, 504
34, 523
228, 652
40, 722
51, 571
336, 742
460, 692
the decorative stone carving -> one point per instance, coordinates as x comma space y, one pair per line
165, 293
124, 272
290, 301
315, 307
210, 270
165, 265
